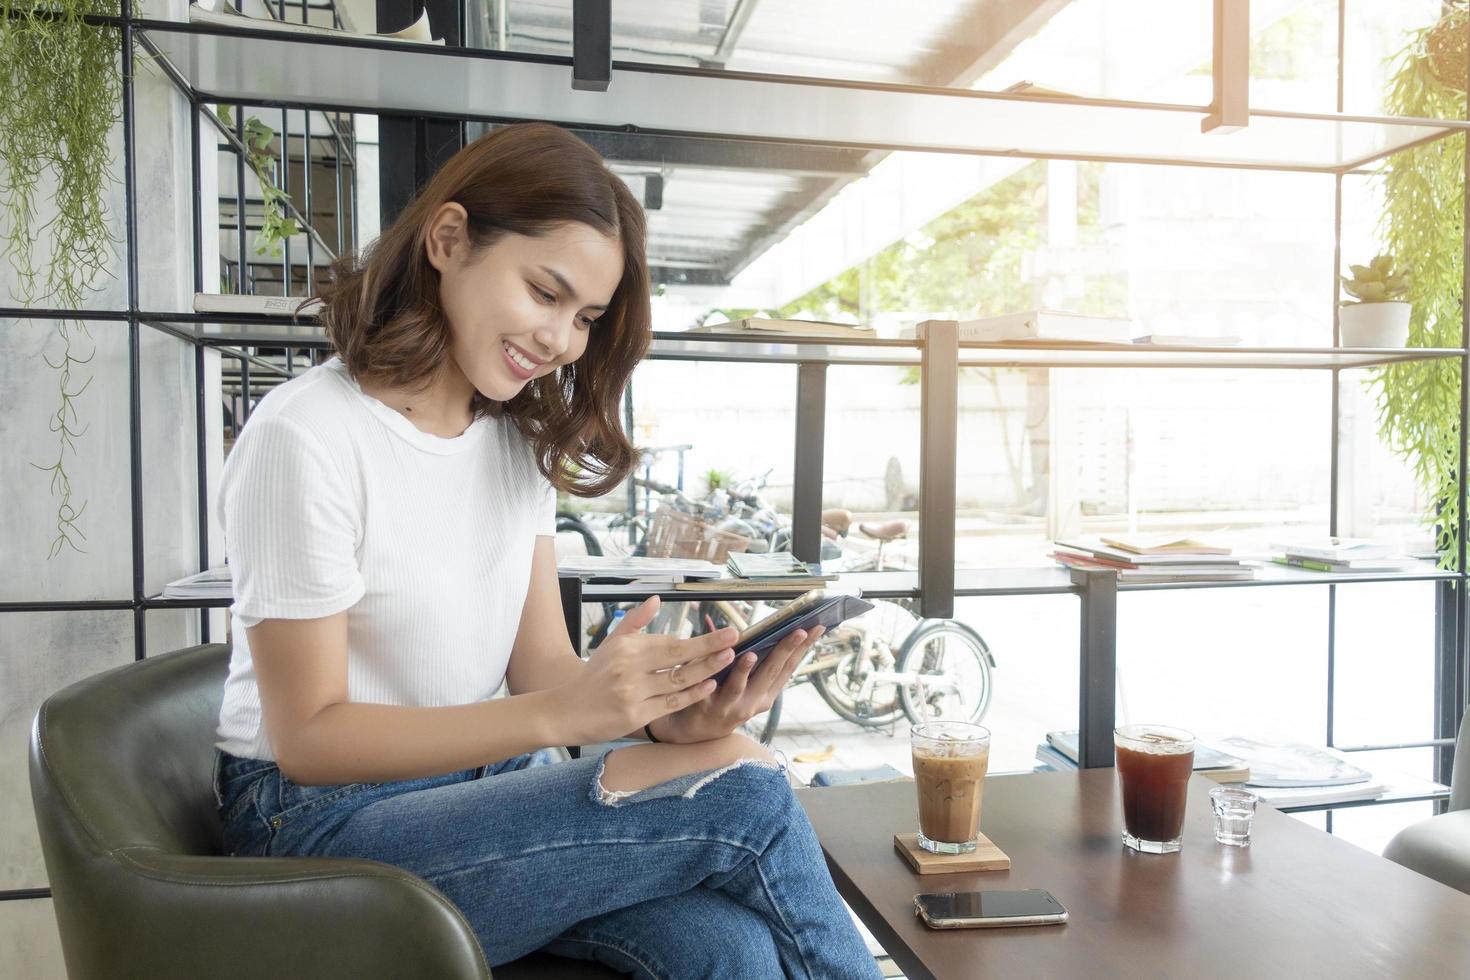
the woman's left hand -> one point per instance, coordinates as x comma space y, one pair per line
746, 691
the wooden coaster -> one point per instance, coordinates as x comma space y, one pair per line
985, 857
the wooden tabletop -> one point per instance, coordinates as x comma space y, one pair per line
1297, 903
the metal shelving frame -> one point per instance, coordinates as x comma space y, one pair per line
937, 583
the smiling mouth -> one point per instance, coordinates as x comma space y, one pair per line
525, 365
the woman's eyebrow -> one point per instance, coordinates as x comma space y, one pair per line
561, 281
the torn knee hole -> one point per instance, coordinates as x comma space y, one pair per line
685, 786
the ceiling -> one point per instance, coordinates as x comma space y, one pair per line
724, 202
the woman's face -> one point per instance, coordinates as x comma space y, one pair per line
524, 306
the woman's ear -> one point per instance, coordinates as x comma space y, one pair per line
448, 235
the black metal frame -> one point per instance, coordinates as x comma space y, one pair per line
937, 583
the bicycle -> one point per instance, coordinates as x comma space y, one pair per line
883, 664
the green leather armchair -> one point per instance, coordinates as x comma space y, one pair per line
1439, 846
121, 767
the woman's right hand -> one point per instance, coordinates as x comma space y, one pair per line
634, 677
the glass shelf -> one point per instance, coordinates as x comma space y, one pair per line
261, 331
1280, 575
356, 73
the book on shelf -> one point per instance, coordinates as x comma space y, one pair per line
1335, 549
1100, 551
630, 569
1360, 565
1024, 87
770, 564
794, 328
1165, 543
1149, 574
1039, 325
1049, 759
228, 16
801, 584
1283, 796
213, 583
1209, 761
1293, 764
1185, 340
228, 303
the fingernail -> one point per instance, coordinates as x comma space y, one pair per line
750, 658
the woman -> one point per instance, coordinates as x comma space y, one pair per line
389, 522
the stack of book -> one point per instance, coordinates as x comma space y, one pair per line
1154, 558
774, 569
212, 584
636, 571
1059, 752
1292, 774
792, 328
1036, 326
1345, 555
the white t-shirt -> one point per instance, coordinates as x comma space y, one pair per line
331, 500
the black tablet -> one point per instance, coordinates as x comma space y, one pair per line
812, 609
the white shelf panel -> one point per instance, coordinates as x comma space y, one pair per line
377, 76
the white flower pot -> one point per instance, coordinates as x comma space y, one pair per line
1381, 325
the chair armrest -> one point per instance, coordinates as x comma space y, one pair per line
317, 917
1438, 847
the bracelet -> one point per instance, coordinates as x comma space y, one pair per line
648, 730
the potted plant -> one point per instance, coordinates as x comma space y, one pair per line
1377, 316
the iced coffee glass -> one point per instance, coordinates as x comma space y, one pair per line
950, 760
1154, 763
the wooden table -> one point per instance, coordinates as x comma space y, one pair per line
1297, 903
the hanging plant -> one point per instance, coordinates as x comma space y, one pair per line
1424, 195
61, 98
275, 227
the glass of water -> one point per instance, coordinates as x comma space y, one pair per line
1234, 810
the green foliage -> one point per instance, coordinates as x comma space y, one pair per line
970, 262
275, 227
1376, 282
61, 97
1424, 190
717, 479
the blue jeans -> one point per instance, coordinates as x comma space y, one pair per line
713, 874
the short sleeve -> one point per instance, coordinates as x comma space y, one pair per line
546, 509
290, 524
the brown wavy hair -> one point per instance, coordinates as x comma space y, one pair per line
383, 317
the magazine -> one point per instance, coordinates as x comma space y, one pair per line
214, 583
1292, 764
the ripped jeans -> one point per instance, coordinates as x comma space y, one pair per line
713, 874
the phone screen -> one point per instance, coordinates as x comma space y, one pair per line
785, 614
989, 905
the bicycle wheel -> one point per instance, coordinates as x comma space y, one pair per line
842, 685
959, 663
567, 523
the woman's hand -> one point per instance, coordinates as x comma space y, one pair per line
747, 691
633, 678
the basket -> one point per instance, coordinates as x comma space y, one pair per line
675, 534
1446, 43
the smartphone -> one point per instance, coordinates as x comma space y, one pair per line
818, 607
802, 603
989, 910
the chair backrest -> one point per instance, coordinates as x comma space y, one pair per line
126, 759
1460, 773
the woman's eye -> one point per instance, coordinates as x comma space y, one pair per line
543, 295
587, 321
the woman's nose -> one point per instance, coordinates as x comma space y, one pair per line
553, 337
